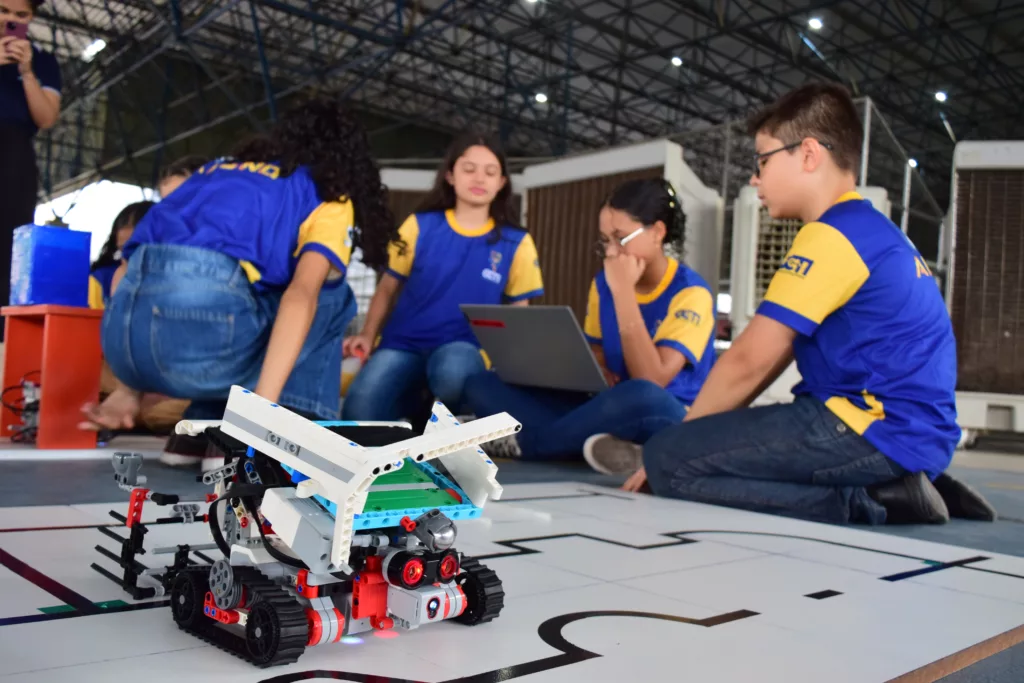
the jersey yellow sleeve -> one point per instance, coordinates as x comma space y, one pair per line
524, 278
328, 231
592, 323
820, 273
400, 256
95, 294
689, 324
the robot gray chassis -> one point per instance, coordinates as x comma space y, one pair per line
304, 561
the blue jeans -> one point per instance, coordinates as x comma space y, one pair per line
556, 423
796, 459
391, 383
185, 322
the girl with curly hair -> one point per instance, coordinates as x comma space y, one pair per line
175, 174
651, 325
461, 246
238, 276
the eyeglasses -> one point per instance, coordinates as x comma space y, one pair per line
601, 246
761, 159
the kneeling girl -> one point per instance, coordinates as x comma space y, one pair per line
238, 276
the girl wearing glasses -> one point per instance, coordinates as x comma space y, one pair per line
650, 321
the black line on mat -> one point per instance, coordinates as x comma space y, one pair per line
54, 588
565, 496
550, 632
518, 550
934, 568
34, 618
56, 528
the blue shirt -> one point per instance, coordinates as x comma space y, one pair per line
444, 265
13, 104
679, 314
251, 213
99, 286
875, 340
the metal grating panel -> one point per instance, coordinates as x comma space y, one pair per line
774, 237
563, 221
987, 298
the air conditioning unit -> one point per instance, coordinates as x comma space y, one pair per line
985, 284
759, 244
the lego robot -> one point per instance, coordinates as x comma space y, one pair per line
321, 537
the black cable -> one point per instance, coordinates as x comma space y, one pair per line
14, 409
218, 536
250, 507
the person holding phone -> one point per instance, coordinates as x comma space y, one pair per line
30, 85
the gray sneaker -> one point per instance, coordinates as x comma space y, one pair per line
610, 455
505, 447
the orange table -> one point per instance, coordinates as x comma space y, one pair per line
58, 348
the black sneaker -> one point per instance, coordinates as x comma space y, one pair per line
910, 500
963, 501
182, 450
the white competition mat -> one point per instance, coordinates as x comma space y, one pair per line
600, 586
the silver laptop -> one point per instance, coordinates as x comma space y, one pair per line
536, 346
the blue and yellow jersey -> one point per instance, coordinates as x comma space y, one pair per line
99, 286
250, 212
875, 340
679, 314
444, 265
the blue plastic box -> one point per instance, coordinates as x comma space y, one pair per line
50, 266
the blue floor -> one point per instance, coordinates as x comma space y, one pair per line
1005, 491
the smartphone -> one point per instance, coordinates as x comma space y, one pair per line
16, 29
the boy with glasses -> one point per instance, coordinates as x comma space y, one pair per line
873, 423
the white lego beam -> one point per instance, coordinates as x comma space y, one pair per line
442, 442
473, 471
338, 469
330, 460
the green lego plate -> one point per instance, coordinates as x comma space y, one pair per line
409, 487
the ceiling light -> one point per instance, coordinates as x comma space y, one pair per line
93, 49
940, 96
541, 97
912, 163
815, 23
677, 61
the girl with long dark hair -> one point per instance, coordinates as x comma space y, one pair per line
650, 322
462, 246
238, 276
101, 273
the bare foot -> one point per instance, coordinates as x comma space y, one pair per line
118, 411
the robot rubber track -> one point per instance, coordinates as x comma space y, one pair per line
275, 633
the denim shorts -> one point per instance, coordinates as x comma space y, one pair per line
185, 322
